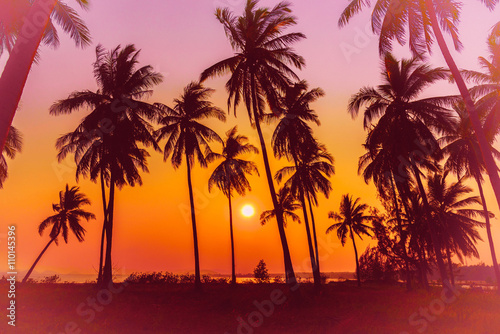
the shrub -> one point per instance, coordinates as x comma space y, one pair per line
51, 279
261, 273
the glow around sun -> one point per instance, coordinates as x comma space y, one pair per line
247, 210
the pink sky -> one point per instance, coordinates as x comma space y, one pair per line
180, 39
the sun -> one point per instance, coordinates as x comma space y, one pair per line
247, 210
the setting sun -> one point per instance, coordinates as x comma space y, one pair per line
247, 210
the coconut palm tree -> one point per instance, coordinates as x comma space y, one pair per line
186, 137
465, 160
69, 212
260, 70
21, 32
105, 143
231, 174
351, 219
307, 177
405, 124
287, 204
458, 228
423, 19
13, 145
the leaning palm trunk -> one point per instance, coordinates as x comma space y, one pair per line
107, 275
435, 240
289, 273
103, 233
358, 273
314, 235
489, 162
197, 276
490, 237
19, 63
36, 261
314, 265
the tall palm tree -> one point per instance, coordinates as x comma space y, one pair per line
405, 124
287, 203
423, 19
105, 143
22, 39
69, 212
456, 220
309, 176
259, 72
186, 138
351, 220
13, 145
465, 160
230, 175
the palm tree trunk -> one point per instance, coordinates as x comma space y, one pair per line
435, 240
197, 275
107, 276
490, 237
233, 267
402, 241
489, 162
289, 273
358, 274
450, 266
103, 233
317, 278
19, 63
36, 261
314, 235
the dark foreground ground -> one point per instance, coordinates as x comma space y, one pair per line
249, 308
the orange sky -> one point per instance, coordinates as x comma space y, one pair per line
153, 231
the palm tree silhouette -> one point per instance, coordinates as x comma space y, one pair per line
259, 71
405, 124
424, 19
21, 38
230, 175
456, 220
287, 204
69, 212
309, 176
294, 140
105, 143
465, 160
186, 138
351, 219
13, 145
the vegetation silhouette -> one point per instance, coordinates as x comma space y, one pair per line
230, 175
351, 220
69, 212
185, 139
259, 72
13, 145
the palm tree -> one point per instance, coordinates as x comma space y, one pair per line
230, 175
22, 39
351, 219
105, 143
69, 212
13, 145
308, 176
186, 138
287, 204
406, 124
457, 224
259, 72
465, 160
424, 19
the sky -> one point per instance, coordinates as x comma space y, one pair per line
152, 223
